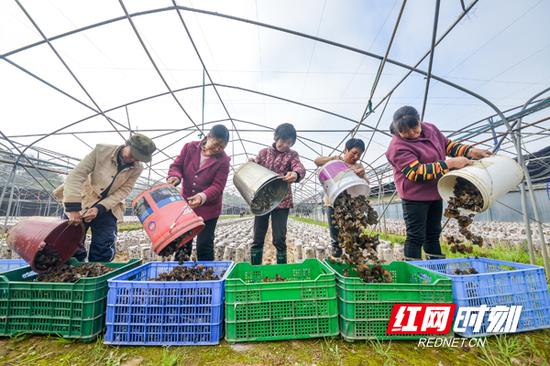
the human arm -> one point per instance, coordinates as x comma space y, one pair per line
175, 171
322, 160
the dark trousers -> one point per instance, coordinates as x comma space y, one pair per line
205, 242
279, 219
102, 247
333, 230
423, 222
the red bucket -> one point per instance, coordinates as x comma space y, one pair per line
166, 217
45, 236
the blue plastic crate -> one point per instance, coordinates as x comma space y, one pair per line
144, 312
498, 283
9, 264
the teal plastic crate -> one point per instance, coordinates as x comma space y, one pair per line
365, 308
69, 310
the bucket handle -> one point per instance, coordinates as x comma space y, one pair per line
178, 217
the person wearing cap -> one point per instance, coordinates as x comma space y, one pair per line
95, 190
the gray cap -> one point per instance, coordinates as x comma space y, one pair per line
141, 146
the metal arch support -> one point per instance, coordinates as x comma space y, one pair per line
98, 111
430, 63
531, 197
265, 25
74, 77
426, 54
205, 70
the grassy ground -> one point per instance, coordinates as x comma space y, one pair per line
524, 349
531, 348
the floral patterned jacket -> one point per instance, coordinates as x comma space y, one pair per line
282, 163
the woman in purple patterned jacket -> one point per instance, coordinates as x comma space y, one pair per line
418, 155
282, 160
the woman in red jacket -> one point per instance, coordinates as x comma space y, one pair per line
202, 167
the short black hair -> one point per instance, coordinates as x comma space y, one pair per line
404, 119
219, 132
351, 143
285, 131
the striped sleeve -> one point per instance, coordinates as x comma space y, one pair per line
454, 148
417, 172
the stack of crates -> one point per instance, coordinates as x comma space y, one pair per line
300, 304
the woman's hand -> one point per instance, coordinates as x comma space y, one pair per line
290, 177
479, 153
194, 201
359, 170
173, 181
458, 162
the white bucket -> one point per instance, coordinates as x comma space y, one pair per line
336, 177
493, 177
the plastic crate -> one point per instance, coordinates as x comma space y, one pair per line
365, 308
144, 312
302, 306
70, 310
10, 264
498, 283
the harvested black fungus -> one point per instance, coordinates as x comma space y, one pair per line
263, 200
277, 278
171, 248
68, 273
468, 197
198, 272
467, 271
46, 260
182, 254
352, 215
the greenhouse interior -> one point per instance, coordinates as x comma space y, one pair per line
246, 182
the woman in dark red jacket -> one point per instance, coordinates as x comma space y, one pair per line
202, 168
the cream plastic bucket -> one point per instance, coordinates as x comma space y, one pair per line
493, 177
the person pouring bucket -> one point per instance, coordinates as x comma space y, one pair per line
353, 150
202, 168
417, 154
281, 159
95, 190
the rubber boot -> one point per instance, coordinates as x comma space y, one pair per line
281, 257
256, 256
336, 250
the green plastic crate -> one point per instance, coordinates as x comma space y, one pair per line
303, 306
365, 308
70, 310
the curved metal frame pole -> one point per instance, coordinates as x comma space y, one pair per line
430, 62
532, 199
205, 70
426, 54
